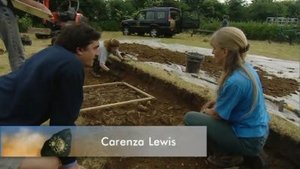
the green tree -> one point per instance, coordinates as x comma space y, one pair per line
259, 11
213, 9
237, 10
138, 4
119, 9
293, 8
94, 10
193, 4
152, 3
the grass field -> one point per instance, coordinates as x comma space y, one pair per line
37, 45
264, 48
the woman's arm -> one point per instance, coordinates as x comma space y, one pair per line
118, 54
104, 67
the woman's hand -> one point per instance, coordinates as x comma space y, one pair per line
208, 105
211, 112
104, 67
120, 55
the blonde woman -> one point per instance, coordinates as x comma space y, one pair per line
237, 121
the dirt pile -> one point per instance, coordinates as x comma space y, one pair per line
272, 85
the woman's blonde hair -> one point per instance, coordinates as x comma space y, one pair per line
236, 42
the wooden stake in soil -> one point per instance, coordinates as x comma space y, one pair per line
148, 96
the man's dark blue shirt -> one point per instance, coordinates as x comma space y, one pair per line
48, 86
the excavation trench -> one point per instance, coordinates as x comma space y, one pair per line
167, 109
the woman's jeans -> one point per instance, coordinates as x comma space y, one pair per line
9, 33
222, 139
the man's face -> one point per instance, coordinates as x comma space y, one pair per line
87, 55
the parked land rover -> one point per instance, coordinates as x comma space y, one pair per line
158, 21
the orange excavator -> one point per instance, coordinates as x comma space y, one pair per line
64, 12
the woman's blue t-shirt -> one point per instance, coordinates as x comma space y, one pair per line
235, 100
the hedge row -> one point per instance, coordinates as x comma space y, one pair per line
262, 31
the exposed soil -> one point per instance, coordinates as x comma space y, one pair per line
272, 85
276, 86
101, 95
168, 108
147, 53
